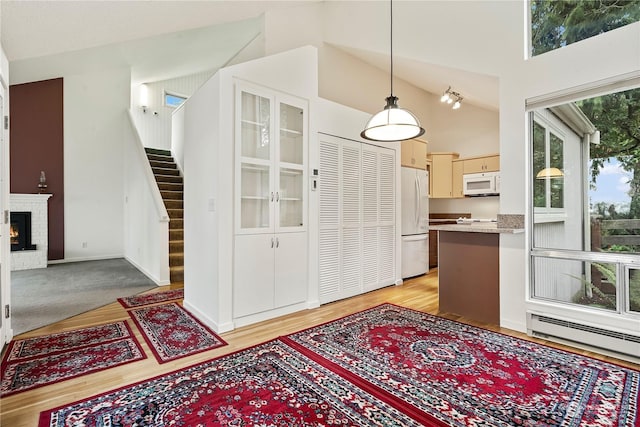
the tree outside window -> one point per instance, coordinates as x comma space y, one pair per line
557, 23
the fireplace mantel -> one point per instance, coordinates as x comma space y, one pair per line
37, 205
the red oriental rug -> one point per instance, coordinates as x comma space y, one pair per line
460, 375
151, 298
267, 385
38, 371
65, 341
172, 332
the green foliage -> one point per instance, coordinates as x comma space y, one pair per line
557, 23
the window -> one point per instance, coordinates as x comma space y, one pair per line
548, 165
556, 24
173, 100
585, 245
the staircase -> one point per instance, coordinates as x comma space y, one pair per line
171, 188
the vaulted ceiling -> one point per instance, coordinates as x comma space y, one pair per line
31, 29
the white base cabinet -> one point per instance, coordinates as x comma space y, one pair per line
270, 272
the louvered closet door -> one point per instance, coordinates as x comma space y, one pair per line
351, 257
370, 204
387, 217
379, 207
329, 219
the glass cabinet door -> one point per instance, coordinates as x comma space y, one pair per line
256, 126
255, 166
291, 135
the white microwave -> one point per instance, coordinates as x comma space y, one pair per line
481, 184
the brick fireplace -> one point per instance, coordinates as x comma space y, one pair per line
32, 208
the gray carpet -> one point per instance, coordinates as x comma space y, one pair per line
43, 296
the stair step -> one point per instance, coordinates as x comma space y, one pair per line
176, 259
174, 205
168, 179
176, 246
171, 187
163, 164
176, 235
175, 213
176, 273
160, 157
171, 195
160, 151
165, 171
176, 223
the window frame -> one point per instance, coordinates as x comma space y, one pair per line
549, 128
168, 93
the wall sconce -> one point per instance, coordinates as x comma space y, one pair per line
451, 97
144, 97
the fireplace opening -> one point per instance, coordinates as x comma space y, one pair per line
20, 232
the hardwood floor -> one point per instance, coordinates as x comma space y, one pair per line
22, 409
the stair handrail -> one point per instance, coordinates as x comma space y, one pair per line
148, 172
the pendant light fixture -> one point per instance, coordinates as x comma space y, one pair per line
392, 123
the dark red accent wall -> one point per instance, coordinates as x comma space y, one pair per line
37, 144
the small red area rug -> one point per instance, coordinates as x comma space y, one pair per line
151, 298
267, 385
66, 341
460, 375
39, 371
172, 332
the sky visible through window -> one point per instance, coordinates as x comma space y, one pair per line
612, 186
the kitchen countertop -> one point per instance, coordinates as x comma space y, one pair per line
476, 227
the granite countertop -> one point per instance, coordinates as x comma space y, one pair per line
476, 227
505, 223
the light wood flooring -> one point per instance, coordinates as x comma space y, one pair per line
22, 409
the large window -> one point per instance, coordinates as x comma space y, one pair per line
557, 23
585, 198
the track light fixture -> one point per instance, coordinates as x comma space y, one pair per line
451, 97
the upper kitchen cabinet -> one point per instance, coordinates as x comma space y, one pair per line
270, 161
481, 164
413, 154
441, 174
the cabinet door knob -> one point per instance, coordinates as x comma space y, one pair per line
277, 242
272, 242
272, 196
277, 196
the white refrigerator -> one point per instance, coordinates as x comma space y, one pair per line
415, 222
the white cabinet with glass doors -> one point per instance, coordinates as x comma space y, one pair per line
271, 187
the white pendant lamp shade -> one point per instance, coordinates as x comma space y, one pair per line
392, 124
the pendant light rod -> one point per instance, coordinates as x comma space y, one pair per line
392, 123
391, 43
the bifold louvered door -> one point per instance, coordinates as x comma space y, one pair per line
357, 233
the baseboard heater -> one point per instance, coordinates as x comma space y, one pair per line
568, 331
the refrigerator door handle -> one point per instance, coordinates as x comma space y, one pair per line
418, 200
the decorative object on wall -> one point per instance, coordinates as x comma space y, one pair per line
42, 185
144, 97
392, 123
550, 173
452, 97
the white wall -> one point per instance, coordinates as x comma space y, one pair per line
94, 126
154, 126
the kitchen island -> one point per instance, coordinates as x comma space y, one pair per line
469, 269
